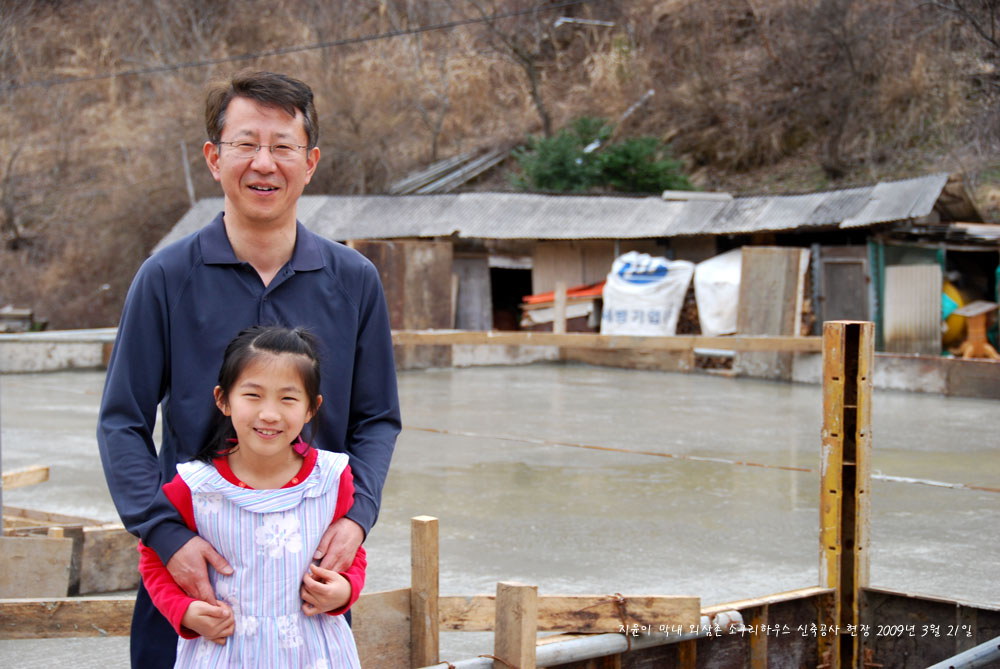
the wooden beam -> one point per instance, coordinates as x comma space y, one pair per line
20, 478
14, 526
516, 627
61, 617
423, 591
596, 341
576, 613
776, 598
45, 518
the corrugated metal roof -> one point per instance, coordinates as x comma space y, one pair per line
490, 216
533, 216
915, 197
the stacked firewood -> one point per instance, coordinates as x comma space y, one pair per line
688, 323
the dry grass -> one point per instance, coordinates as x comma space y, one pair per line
755, 96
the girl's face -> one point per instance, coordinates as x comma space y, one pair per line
268, 405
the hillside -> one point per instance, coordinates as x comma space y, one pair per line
754, 96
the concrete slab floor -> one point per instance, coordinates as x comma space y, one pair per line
594, 480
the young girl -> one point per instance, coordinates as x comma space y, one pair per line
263, 498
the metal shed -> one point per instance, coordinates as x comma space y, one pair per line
574, 238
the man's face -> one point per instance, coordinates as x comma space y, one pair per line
258, 188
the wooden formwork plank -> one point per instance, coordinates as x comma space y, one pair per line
516, 626
861, 519
109, 560
863, 455
772, 281
424, 591
845, 481
776, 598
61, 617
831, 456
35, 566
831, 479
474, 613
750, 343
381, 622
12, 525
20, 478
769, 289
381, 625
576, 613
104, 557
44, 518
595, 613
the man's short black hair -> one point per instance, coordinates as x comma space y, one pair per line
265, 88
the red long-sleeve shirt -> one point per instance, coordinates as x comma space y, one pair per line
171, 600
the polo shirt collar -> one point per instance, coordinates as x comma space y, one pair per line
216, 249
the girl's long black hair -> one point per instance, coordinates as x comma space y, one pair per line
244, 349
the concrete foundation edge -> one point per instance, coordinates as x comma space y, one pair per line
46, 352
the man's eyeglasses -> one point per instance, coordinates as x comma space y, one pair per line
244, 149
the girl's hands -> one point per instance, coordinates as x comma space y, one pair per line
323, 590
214, 622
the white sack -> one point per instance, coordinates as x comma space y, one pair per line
717, 292
644, 295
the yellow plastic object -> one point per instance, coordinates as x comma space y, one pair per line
954, 332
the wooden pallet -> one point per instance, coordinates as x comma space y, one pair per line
54, 555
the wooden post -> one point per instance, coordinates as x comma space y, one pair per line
687, 654
516, 626
559, 318
845, 483
423, 591
758, 642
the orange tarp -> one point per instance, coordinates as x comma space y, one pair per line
589, 290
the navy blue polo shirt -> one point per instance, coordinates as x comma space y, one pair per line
185, 304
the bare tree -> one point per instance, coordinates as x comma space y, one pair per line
523, 38
431, 55
983, 16
10, 225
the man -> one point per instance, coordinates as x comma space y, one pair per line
253, 264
